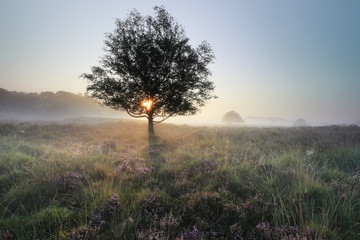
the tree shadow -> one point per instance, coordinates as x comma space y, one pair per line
153, 140
154, 151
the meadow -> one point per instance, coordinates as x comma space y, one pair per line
103, 181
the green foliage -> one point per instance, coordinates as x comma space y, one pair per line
196, 183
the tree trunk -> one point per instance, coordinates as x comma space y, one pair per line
151, 132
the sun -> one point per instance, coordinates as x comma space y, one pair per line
147, 104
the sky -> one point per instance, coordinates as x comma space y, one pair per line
280, 58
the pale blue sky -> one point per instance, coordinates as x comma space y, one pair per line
289, 59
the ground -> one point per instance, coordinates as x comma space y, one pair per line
103, 181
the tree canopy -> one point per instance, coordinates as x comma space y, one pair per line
150, 69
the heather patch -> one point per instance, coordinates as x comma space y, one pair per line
81, 233
6, 235
101, 218
286, 232
70, 182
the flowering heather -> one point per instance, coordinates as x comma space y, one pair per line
154, 151
265, 228
97, 219
152, 206
6, 235
129, 169
150, 234
100, 218
208, 164
108, 146
192, 234
70, 181
123, 168
237, 231
112, 206
83, 233
194, 183
154, 218
170, 220
255, 203
158, 228
286, 232
211, 212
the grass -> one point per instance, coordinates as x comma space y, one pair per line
103, 181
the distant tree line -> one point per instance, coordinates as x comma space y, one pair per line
49, 106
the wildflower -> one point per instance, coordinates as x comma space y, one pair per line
310, 152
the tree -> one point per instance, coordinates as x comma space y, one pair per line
150, 69
232, 116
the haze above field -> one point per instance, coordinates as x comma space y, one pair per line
50, 106
278, 59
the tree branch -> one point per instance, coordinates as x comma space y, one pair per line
157, 122
136, 116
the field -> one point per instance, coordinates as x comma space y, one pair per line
103, 181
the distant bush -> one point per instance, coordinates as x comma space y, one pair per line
300, 123
232, 116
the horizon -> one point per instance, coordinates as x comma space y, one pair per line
109, 113
281, 59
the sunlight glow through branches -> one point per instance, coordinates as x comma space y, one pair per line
147, 104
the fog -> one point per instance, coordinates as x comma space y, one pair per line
65, 106
256, 121
50, 106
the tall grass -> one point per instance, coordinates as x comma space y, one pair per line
103, 181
